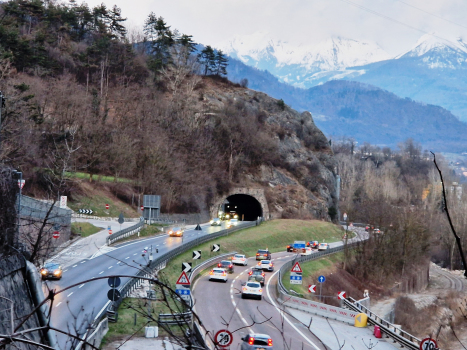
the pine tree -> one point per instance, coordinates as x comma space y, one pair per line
161, 39
207, 58
221, 63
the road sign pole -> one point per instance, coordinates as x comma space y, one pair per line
320, 289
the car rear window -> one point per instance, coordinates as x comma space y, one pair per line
260, 341
263, 251
265, 262
218, 270
239, 256
253, 285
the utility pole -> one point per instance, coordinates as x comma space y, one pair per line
2, 104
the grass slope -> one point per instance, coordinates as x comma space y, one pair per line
84, 229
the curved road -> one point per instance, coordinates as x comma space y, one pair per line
75, 308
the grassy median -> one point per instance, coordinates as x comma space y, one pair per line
274, 235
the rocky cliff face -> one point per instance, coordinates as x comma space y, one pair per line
300, 179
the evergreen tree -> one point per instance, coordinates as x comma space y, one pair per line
221, 63
207, 58
161, 39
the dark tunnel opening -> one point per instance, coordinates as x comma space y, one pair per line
247, 207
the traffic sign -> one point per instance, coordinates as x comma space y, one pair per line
142, 208
106, 206
428, 344
295, 279
223, 338
299, 244
21, 183
121, 219
113, 294
186, 267
341, 295
196, 254
296, 268
183, 279
345, 216
56, 234
110, 232
312, 288
63, 200
85, 211
321, 279
114, 282
215, 247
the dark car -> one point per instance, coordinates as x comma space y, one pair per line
257, 274
51, 271
227, 265
313, 244
290, 248
263, 254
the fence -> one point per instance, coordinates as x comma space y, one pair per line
126, 232
389, 329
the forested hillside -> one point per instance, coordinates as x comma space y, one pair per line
82, 96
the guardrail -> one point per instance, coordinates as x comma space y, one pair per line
126, 232
390, 330
182, 318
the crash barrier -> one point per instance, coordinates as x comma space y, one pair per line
126, 232
157, 263
180, 319
96, 336
102, 218
388, 329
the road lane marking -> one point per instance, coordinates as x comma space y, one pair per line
135, 253
100, 273
81, 285
127, 257
65, 271
109, 267
82, 262
74, 265
284, 315
69, 294
58, 304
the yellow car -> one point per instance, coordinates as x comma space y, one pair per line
175, 232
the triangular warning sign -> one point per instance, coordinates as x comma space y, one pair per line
296, 268
183, 279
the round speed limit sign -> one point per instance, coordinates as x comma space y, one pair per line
223, 338
428, 344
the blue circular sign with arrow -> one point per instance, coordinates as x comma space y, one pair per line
321, 279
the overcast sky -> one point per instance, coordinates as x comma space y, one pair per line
304, 21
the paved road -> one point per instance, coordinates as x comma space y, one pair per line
76, 307
225, 306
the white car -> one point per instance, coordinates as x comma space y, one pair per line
306, 251
239, 259
216, 222
323, 246
233, 222
218, 274
252, 289
266, 265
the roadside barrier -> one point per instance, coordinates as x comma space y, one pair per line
126, 232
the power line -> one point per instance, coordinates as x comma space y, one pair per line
394, 20
432, 14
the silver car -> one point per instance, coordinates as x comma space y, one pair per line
254, 341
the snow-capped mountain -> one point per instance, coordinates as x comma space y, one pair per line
292, 63
433, 71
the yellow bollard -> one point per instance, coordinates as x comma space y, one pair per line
361, 320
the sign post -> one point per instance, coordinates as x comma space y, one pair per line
321, 280
296, 274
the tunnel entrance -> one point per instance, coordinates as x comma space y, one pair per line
246, 206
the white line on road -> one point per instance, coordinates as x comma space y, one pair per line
69, 294
127, 257
235, 304
74, 265
81, 285
100, 273
135, 253
58, 304
82, 262
109, 267
283, 314
65, 271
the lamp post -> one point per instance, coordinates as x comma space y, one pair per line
20, 185
2, 104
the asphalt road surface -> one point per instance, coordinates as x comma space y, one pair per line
220, 306
76, 307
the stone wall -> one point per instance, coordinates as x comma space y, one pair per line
14, 286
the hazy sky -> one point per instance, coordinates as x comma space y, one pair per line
304, 21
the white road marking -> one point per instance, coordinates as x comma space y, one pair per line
157, 245
135, 253
82, 262
81, 285
284, 316
100, 273
127, 257
58, 304
65, 271
109, 267
75, 265
235, 304
69, 294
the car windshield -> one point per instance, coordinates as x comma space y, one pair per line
253, 285
51, 266
216, 219
176, 229
265, 262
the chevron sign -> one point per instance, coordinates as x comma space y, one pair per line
85, 211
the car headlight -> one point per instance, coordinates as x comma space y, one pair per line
44, 271
57, 273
